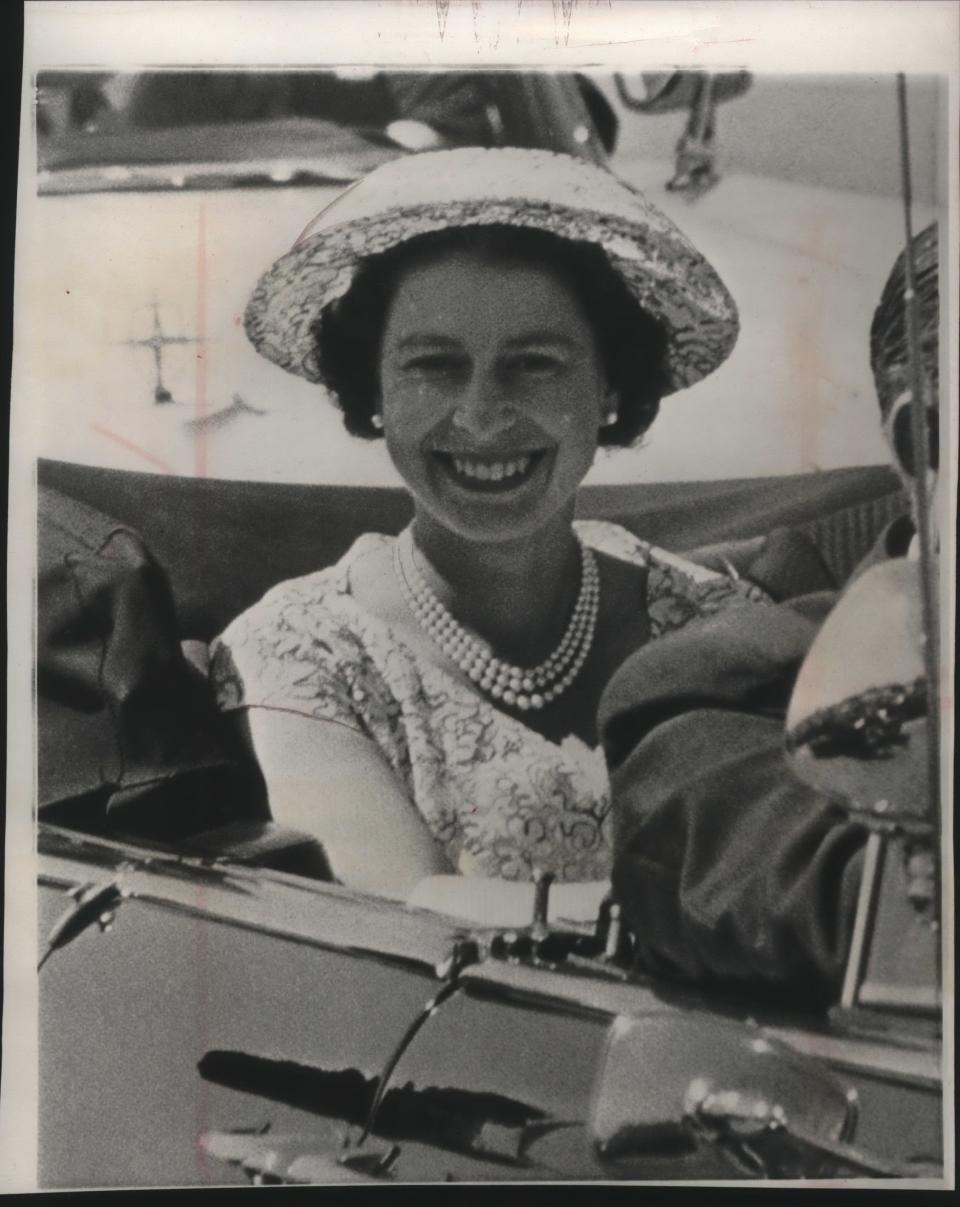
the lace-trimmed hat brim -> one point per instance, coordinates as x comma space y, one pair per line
436, 191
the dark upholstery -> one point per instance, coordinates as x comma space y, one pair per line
223, 544
127, 729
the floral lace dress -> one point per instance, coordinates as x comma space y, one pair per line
499, 798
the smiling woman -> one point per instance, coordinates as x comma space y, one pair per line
492, 378
427, 706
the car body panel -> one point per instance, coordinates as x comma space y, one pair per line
220, 996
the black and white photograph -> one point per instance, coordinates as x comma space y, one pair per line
484, 703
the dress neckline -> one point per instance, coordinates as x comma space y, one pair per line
624, 546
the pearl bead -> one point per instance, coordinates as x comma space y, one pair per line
519, 687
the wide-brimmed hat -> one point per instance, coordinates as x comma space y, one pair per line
506, 186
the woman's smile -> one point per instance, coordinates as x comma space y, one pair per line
491, 474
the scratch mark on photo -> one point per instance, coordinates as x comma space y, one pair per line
133, 448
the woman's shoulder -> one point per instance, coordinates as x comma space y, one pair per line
678, 589
614, 540
306, 598
604, 536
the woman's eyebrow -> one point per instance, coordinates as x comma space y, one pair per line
426, 340
549, 338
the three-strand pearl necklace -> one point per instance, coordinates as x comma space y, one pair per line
516, 686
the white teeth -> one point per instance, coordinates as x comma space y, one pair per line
494, 471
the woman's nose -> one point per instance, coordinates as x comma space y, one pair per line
483, 409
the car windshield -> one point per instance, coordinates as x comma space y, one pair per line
163, 195
209, 129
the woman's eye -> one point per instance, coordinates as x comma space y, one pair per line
536, 363
432, 365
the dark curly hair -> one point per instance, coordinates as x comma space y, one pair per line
631, 343
889, 355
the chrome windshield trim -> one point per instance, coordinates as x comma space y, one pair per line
897, 1062
255, 899
112, 178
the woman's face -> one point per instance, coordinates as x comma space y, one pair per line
492, 393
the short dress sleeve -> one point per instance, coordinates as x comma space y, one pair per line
268, 658
305, 649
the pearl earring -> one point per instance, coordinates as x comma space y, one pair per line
610, 418
377, 421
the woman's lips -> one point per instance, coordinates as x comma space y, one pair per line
489, 474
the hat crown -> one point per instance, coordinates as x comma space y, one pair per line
483, 175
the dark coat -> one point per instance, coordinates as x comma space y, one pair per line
728, 869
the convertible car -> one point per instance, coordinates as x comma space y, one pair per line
214, 1010
229, 1013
